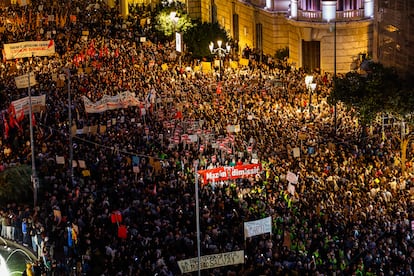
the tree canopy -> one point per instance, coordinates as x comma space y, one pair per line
168, 23
378, 90
199, 37
15, 184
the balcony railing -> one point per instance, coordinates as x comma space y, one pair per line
316, 16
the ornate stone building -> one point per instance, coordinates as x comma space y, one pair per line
309, 28
380, 29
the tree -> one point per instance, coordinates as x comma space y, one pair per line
378, 91
199, 37
282, 53
15, 184
169, 22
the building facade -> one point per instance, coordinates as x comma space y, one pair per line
331, 35
309, 28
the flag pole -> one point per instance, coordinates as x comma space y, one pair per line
34, 175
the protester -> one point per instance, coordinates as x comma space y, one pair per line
130, 207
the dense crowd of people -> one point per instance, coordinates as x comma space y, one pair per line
129, 208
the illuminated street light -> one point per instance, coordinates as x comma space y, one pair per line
220, 52
311, 88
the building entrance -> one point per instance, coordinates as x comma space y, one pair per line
311, 55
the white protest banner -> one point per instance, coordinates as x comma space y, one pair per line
29, 48
212, 261
178, 42
257, 227
23, 81
296, 152
193, 138
292, 178
60, 160
230, 128
82, 164
122, 100
38, 104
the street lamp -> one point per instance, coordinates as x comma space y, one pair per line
334, 65
219, 51
67, 72
34, 179
178, 40
197, 203
311, 88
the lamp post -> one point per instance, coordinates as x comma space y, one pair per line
197, 206
311, 88
34, 179
178, 41
67, 71
174, 19
220, 52
334, 78
334, 68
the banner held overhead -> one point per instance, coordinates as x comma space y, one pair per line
29, 49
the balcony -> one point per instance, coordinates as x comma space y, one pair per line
316, 16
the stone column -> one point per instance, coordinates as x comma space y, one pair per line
270, 5
368, 8
293, 8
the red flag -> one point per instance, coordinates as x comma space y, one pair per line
122, 232
33, 119
50, 43
21, 116
154, 191
76, 60
106, 51
218, 90
179, 115
92, 44
12, 117
116, 217
6, 127
12, 110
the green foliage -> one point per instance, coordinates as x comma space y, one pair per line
199, 37
282, 53
379, 90
15, 184
167, 24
